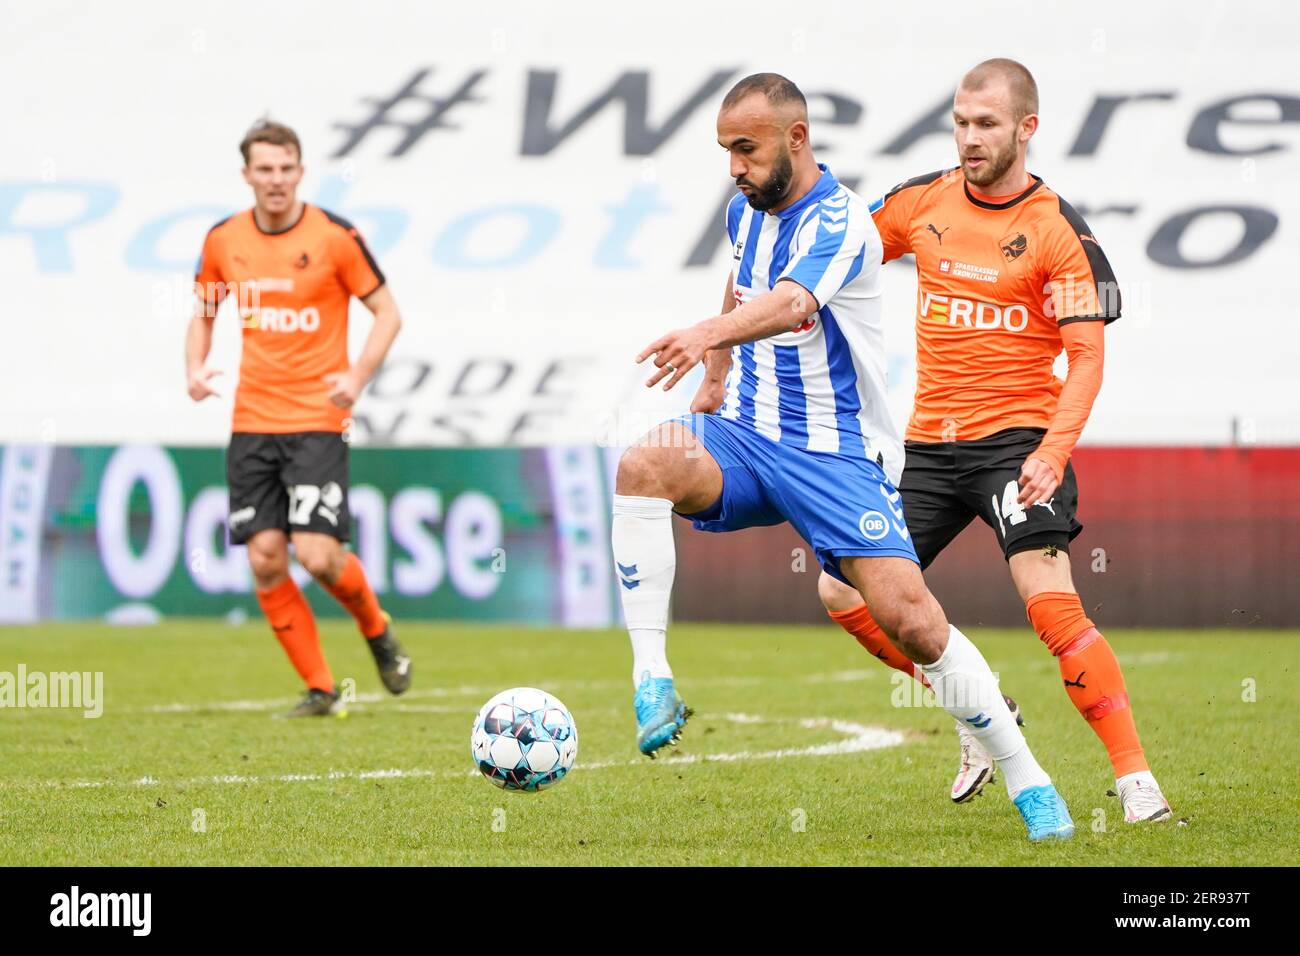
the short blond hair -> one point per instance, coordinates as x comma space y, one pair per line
1020, 83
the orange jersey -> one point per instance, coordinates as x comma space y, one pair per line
292, 289
996, 281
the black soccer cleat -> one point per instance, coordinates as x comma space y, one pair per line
316, 703
394, 666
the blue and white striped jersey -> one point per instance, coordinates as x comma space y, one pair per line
820, 386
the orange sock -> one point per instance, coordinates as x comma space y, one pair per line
863, 626
295, 628
352, 590
1091, 673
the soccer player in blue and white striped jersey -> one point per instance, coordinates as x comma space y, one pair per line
791, 424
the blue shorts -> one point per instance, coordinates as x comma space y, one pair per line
842, 506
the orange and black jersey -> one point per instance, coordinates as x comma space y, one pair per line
998, 277
292, 289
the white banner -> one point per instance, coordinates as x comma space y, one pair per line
24, 476
543, 188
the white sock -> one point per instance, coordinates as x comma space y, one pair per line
967, 689
1021, 770
645, 558
649, 654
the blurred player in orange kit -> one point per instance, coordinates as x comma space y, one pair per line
292, 269
1008, 275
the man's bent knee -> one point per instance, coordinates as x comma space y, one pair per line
322, 558
644, 471
836, 596
1046, 569
268, 557
670, 463
919, 632
318, 565
901, 604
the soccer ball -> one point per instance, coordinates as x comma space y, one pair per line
524, 739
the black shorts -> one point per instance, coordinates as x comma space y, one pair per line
293, 482
948, 484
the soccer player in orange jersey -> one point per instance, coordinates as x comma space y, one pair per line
1008, 275
292, 269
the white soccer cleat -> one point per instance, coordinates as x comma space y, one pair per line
975, 769
1140, 796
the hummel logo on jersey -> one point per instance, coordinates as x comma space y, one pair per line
895, 502
937, 233
835, 212
626, 573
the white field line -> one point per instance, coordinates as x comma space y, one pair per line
857, 738
559, 688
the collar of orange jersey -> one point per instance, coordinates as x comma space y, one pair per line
824, 186
1001, 202
279, 232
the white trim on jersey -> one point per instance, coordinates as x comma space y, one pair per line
821, 385
763, 254
731, 391
767, 397
823, 431
731, 397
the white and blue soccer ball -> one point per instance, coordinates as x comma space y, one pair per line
524, 739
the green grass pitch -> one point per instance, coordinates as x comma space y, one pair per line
779, 765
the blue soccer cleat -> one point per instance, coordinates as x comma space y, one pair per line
660, 714
1044, 813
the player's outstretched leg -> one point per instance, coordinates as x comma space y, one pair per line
962, 682
666, 470
1092, 676
341, 573
975, 768
291, 618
